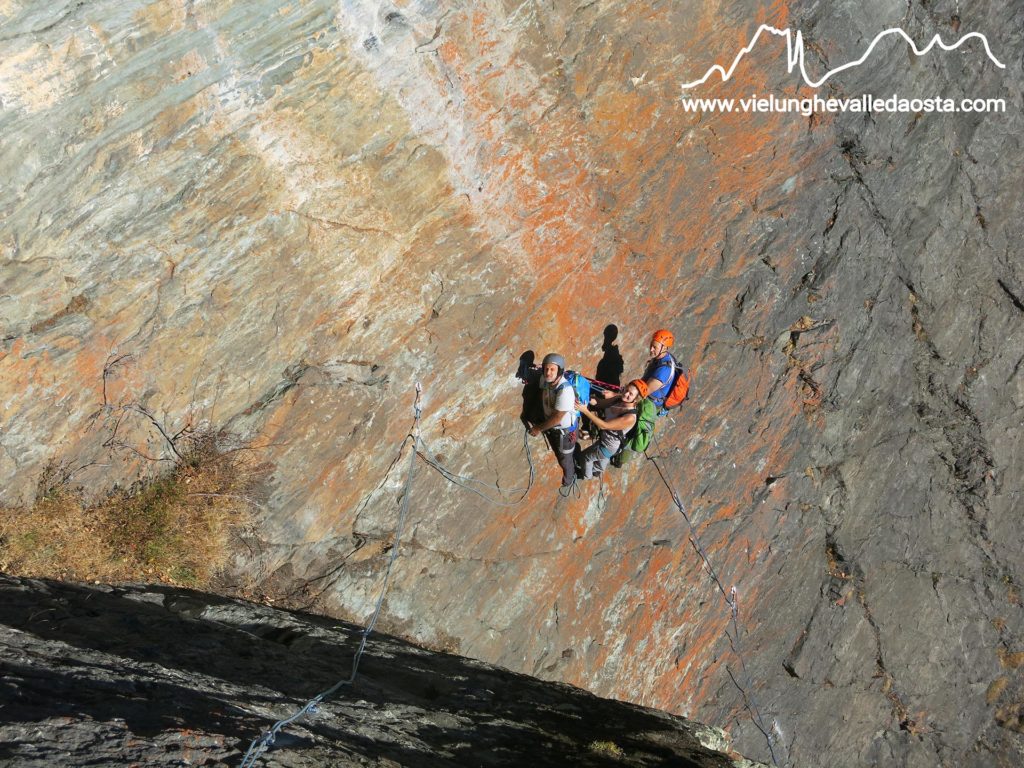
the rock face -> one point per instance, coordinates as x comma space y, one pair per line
135, 675
274, 218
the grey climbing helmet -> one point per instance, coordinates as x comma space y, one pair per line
555, 359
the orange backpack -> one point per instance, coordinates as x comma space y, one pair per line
680, 389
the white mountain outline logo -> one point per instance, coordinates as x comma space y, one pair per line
795, 53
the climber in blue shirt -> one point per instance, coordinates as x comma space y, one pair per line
660, 368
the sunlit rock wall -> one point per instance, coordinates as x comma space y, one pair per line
274, 218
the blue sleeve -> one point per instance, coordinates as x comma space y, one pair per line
663, 372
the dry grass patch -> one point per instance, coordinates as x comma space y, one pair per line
174, 526
607, 749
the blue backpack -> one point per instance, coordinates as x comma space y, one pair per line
581, 386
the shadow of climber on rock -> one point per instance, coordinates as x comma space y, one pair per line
609, 369
533, 408
611, 366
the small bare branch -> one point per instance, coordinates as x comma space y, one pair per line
170, 441
186, 430
112, 440
108, 368
241, 448
132, 449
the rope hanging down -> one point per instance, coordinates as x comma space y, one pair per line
419, 448
468, 482
733, 604
260, 745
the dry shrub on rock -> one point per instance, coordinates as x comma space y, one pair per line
173, 526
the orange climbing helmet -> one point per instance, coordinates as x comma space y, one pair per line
641, 387
663, 337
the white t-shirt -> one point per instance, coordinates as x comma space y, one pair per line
555, 400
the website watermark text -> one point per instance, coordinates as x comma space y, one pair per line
862, 104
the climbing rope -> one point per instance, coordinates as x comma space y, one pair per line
732, 602
419, 448
604, 385
748, 697
572, 490
260, 745
468, 482
599, 384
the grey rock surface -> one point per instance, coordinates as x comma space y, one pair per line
151, 675
277, 217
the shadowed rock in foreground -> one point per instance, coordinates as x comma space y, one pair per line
272, 218
154, 675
